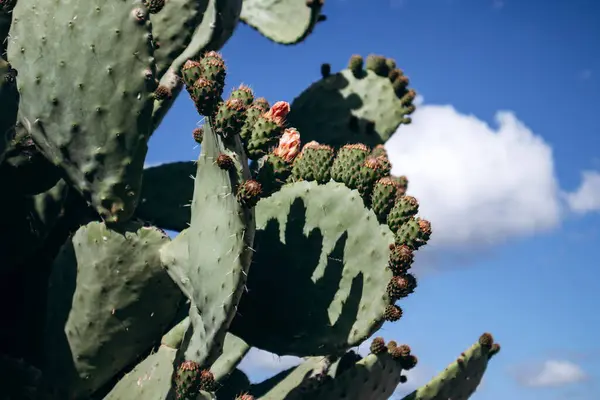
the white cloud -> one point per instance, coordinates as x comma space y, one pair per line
261, 362
475, 183
587, 197
553, 373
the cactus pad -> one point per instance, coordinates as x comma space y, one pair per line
314, 237
90, 114
282, 21
349, 107
461, 378
218, 246
108, 299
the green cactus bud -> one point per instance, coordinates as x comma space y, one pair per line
272, 173
371, 171
348, 162
325, 70
409, 362
401, 258
392, 313
377, 346
486, 340
258, 108
249, 193
379, 150
402, 184
313, 163
245, 94
245, 396
207, 381
230, 117
385, 192
494, 350
391, 63
392, 344
404, 208
191, 72
355, 65
414, 233
267, 130
206, 95
213, 68
377, 64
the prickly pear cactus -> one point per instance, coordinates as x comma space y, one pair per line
284, 203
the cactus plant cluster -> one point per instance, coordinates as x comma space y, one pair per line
287, 203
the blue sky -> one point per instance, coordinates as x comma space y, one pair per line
513, 197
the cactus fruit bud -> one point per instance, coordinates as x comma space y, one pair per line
401, 286
262, 103
378, 345
154, 6
401, 258
402, 182
403, 379
379, 150
404, 208
325, 70
244, 93
245, 396
213, 68
313, 163
494, 350
486, 340
187, 380
230, 117
198, 134
289, 145
206, 94
355, 65
207, 381
392, 313
409, 362
377, 64
249, 193
278, 112
225, 162
191, 72
162, 92
391, 345
390, 62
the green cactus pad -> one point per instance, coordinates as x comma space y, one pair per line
287, 384
9, 104
460, 379
375, 377
219, 241
234, 350
282, 21
90, 114
343, 108
151, 379
313, 288
109, 298
166, 195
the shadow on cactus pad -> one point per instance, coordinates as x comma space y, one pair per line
317, 284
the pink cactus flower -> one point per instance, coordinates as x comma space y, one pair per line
289, 145
278, 112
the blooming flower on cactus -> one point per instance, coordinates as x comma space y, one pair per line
278, 112
289, 144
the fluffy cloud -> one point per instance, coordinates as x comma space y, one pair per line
587, 197
553, 373
475, 183
259, 362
